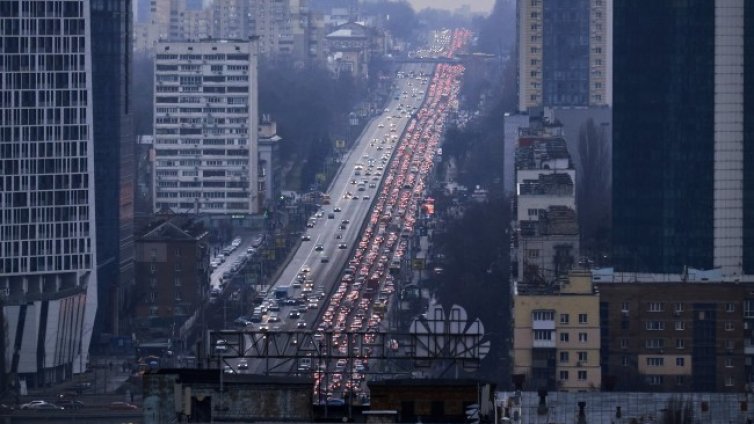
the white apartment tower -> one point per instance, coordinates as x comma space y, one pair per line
205, 127
47, 220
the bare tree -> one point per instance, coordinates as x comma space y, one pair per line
593, 187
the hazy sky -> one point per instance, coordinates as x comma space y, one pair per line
476, 5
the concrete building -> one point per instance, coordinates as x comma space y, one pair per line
556, 334
545, 226
683, 184
350, 47
564, 52
205, 395
205, 128
48, 231
172, 275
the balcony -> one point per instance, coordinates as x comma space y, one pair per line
543, 324
544, 343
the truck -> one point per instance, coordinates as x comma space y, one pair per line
282, 292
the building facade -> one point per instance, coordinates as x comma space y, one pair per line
48, 242
113, 144
172, 274
556, 334
682, 193
689, 336
205, 128
563, 53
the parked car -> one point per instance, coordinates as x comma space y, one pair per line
71, 404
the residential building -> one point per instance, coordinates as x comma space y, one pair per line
172, 274
545, 229
350, 47
48, 232
114, 166
563, 52
683, 194
675, 335
556, 334
205, 128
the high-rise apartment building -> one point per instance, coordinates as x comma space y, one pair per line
205, 127
683, 146
113, 144
563, 53
47, 180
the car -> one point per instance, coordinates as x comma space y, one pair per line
250, 250
221, 345
342, 226
122, 406
336, 210
294, 314
342, 246
243, 364
345, 222
319, 248
71, 404
330, 215
324, 259
273, 318
39, 404
381, 125
365, 197
338, 236
306, 237
310, 224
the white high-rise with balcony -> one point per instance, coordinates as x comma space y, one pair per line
205, 127
47, 220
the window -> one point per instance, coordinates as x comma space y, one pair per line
656, 307
729, 381
678, 307
655, 361
654, 344
624, 361
624, 343
582, 337
624, 307
728, 362
680, 380
655, 325
680, 325
532, 212
583, 356
583, 318
582, 375
153, 267
532, 253
654, 380
153, 310
542, 335
730, 307
680, 344
563, 375
564, 337
564, 357
564, 318
177, 281
730, 345
543, 315
728, 326
178, 267
680, 362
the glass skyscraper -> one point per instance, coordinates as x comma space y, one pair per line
683, 169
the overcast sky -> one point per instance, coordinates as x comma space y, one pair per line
476, 5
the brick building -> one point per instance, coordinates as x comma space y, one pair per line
172, 276
676, 336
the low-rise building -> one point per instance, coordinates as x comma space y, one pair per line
172, 276
556, 334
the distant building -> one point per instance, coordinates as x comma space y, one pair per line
204, 395
556, 334
269, 163
564, 53
205, 128
683, 180
350, 48
172, 275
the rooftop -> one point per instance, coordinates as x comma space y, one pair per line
175, 228
555, 184
553, 221
540, 152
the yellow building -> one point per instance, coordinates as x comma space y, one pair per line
556, 335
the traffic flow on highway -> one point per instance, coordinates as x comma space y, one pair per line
343, 278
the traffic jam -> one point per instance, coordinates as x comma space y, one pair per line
363, 295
